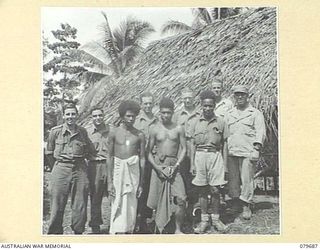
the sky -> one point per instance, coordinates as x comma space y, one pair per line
87, 20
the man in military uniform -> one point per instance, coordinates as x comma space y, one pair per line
207, 162
97, 170
223, 105
186, 117
246, 133
144, 122
68, 146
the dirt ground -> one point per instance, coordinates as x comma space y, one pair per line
265, 218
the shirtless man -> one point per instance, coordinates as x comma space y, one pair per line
126, 166
167, 192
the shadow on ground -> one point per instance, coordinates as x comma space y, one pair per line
264, 221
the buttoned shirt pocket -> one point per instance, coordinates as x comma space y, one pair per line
199, 137
60, 144
79, 147
215, 135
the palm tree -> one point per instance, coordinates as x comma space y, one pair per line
202, 17
118, 48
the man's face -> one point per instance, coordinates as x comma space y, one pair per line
97, 117
166, 115
208, 106
147, 104
241, 99
188, 100
70, 116
129, 118
217, 88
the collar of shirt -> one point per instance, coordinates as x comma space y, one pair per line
143, 116
193, 113
246, 112
214, 118
222, 102
65, 129
93, 129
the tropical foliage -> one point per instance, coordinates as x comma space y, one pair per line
61, 73
119, 48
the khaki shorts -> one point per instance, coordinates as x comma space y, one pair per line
209, 169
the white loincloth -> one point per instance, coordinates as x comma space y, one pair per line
126, 175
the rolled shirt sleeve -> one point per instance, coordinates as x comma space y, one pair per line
50, 143
260, 127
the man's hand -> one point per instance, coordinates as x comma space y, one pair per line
161, 172
173, 170
254, 156
139, 191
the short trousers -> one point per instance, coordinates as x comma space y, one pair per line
209, 169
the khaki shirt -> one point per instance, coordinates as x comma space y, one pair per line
209, 134
184, 118
99, 139
223, 107
66, 146
144, 124
244, 130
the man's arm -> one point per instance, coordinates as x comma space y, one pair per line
50, 148
192, 155
260, 130
142, 162
91, 150
183, 146
150, 155
225, 146
110, 161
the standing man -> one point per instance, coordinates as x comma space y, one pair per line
186, 118
126, 167
97, 171
167, 192
68, 145
223, 105
144, 121
207, 162
246, 134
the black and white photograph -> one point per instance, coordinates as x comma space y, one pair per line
160, 120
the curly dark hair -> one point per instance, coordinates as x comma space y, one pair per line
128, 105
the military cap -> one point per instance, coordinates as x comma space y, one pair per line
240, 88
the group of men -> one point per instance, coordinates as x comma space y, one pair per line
157, 166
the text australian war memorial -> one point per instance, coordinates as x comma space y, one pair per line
176, 137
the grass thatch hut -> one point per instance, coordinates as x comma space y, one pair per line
238, 50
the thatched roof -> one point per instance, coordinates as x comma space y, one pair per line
238, 50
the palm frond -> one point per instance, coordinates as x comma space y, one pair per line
129, 54
141, 31
109, 45
203, 14
175, 27
214, 12
85, 57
